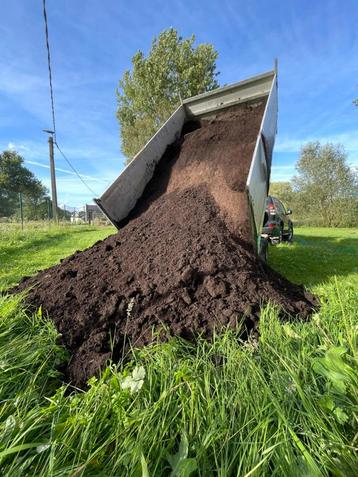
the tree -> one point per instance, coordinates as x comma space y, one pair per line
15, 178
173, 70
327, 187
284, 192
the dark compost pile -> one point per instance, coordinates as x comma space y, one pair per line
183, 262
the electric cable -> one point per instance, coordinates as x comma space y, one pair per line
53, 102
74, 170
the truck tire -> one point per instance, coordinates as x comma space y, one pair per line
290, 235
281, 236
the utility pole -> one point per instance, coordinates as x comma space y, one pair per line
53, 175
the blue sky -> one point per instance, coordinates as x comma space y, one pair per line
92, 43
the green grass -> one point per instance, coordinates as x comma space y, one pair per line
317, 255
40, 246
286, 406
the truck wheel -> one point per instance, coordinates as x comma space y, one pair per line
290, 235
281, 234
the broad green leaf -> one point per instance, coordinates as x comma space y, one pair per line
180, 464
341, 416
333, 368
289, 332
326, 402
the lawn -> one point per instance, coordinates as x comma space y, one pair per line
23, 252
317, 255
285, 406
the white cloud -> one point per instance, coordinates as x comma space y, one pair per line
67, 171
17, 147
348, 139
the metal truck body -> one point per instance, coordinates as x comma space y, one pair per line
121, 197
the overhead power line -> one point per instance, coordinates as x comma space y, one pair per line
53, 103
74, 170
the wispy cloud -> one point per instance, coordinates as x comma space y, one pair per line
103, 163
348, 139
70, 191
67, 171
17, 147
104, 169
318, 74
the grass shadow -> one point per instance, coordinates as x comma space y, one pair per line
315, 259
25, 254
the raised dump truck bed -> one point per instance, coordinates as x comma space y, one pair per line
181, 259
121, 197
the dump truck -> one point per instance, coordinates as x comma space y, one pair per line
121, 197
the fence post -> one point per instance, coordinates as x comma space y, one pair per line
21, 211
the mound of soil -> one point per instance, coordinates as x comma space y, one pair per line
182, 263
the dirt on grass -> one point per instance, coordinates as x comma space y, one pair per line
182, 264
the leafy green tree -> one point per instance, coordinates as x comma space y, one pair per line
15, 178
326, 186
284, 192
173, 70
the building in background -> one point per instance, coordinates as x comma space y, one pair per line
89, 213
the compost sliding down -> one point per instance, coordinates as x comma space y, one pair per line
181, 265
